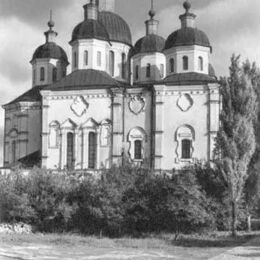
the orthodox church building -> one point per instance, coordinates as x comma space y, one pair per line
155, 103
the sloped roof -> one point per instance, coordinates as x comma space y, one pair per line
31, 95
81, 79
189, 78
31, 160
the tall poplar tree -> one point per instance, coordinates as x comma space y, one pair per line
236, 144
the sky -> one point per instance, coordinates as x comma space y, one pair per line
231, 25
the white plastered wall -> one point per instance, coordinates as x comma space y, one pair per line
193, 53
98, 110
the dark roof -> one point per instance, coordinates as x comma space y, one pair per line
189, 78
50, 50
117, 28
90, 29
31, 160
31, 95
149, 43
186, 37
211, 71
81, 79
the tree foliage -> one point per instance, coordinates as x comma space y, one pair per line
236, 139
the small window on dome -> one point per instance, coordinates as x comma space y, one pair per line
148, 70
34, 76
75, 60
54, 74
171, 65
123, 66
86, 58
185, 61
136, 72
99, 58
42, 74
201, 65
112, 63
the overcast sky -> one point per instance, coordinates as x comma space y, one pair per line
232, 26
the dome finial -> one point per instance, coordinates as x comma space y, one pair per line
51, 22
152, 11
187, 6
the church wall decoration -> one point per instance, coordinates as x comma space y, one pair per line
79, 106
185, 102
137, 104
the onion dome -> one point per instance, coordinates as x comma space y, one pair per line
50, 50
90, 29
116, 27
149, 43
188, 35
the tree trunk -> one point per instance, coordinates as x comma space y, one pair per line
249, 229
234, 218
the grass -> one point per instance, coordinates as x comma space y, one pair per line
217, 239
195, 247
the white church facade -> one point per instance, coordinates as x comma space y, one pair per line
155, 103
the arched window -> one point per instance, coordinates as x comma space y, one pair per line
186, 149
70, 151
42, 74
148, 70
171, 65
13, 151
137, 139
112, 63
86, 58
92, 150
123, 70
162, 70
99, 58
136, 72
54, 74
185, 61
75, 58
201, 65
185, 137
138, 150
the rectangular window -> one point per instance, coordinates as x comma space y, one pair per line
148, 70
136, 72
92, 150
42, 74
99, 58
75, 60
86, 58
138, 150
186, 149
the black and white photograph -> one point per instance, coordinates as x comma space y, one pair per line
129, 129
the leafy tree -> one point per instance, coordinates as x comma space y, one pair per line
236, 138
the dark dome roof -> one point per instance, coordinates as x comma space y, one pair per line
187, 36
90, 29
117, 28
149, 43
50, 50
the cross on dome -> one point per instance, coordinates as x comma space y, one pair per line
152, 11
51, 22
